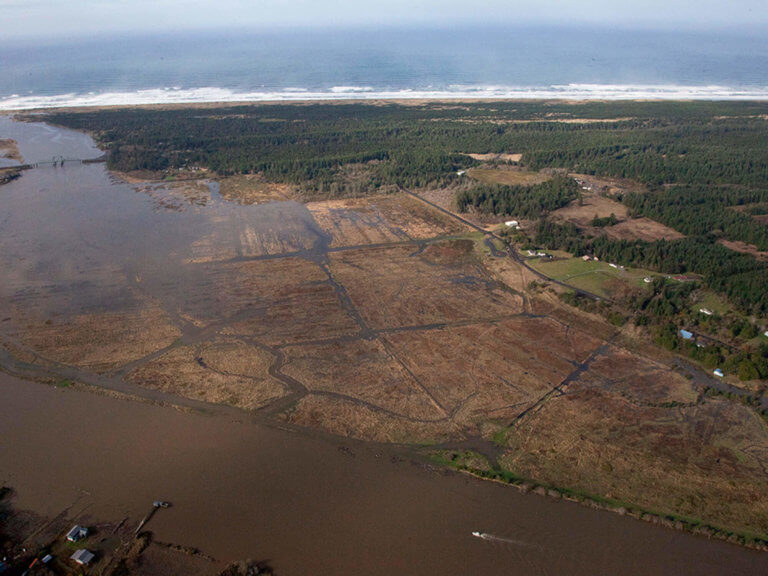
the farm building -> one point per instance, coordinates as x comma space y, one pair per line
83, 557
686, 335
77, 533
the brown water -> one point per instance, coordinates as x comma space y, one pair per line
244, 490
74, 240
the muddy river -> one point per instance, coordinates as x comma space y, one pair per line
73, 238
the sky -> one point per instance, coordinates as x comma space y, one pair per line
83, 18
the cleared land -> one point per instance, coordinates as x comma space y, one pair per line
744, 248
642, 229
380, 219
253, 189
609, 186
404, 286
591, 204
582, 212
596, 277
491, 157
509, 177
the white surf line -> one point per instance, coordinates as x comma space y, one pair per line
210, 94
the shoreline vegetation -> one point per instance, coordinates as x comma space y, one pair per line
622, 212
453, 460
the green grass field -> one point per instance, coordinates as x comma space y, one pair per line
595, 277
713, 302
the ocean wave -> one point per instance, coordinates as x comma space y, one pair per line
457, 92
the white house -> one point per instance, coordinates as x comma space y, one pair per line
705, 311
718, 373
512, 223
77, 533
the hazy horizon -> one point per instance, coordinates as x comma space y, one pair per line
55, 19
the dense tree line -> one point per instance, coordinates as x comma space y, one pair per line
653, 142
528, 202
699, 210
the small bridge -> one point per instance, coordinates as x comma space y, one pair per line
55, 162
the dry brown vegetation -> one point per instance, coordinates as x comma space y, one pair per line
744, 248
403, 286
363, 370
547, 303
701, 461
100, 341
508, 176
231, 373
642, 229
497, 157
380, 219
346, 418
253, 189
494, 370
581, 212
598, 203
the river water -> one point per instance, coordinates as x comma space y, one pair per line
241, 488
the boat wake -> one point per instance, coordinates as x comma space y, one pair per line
493, 538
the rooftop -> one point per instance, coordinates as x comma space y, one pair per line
83, 556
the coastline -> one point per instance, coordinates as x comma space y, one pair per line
215, 96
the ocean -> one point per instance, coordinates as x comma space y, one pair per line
501, 62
